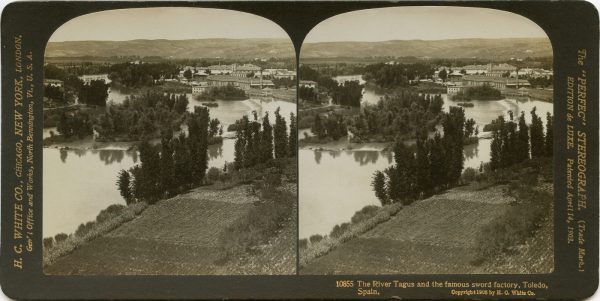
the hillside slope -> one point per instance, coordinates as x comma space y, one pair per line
180, 236
454, 48
432, 236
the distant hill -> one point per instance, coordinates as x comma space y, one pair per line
455, 48
197, 48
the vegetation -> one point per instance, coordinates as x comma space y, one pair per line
520, 220
436, 164
484, 92
514, 142
106, 221
347, 94
137, 75
308, 94
142, 117
369, 218
180, 164
228, 92
398, 75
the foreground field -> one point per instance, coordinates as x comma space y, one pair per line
437, 235
182, 236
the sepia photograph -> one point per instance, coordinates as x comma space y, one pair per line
170, 145
426, 143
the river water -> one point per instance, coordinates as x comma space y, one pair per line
334, 185
78, 184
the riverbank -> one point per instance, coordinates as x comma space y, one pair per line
189, 234
437, 235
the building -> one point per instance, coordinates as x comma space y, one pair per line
88, 78
53, 82
199, 88
500, 70
243, 83
494, 81
454, 89
308, 84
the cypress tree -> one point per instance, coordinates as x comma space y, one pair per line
549, 143
167, 168
496, 145
149, 172
423, 173
378, 185
522, 149
280, 134
124, 186
537, 135
292, 144
438, 165
267, 139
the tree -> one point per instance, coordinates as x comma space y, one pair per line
281, 137
423, 174
453, 125
437, 159
267, 139
443, 74
124, 186
292, 144
147, 179
167, 168
522, 148
537, 135
188, 74
549, 143
317, 128
378, 185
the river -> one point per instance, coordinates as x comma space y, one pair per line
78, 184
334, 185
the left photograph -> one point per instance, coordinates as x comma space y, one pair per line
170, 144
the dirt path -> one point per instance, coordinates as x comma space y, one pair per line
178, 236
436, 235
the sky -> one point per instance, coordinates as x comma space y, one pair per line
423, 23
167, 23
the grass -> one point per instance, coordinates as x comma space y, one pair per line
107, 224
262, 221
328, 243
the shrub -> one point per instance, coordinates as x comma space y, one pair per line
65, 244
109, 212
364, 213
48, 242
315, 238
60, 237
516, 224
302, 243
213, 174
469, 175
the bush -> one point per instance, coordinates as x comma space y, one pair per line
365, 213
48, 242
213, 174
109, 212
60, 237
315, 238
303, 243
469, 175
516, 225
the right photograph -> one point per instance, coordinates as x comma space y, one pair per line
426, 144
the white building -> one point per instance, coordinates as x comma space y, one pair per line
88, 78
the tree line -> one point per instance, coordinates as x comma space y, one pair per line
397, 75
515, 141
174, 165
139, 75
258, 141
143, 117
432, 164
